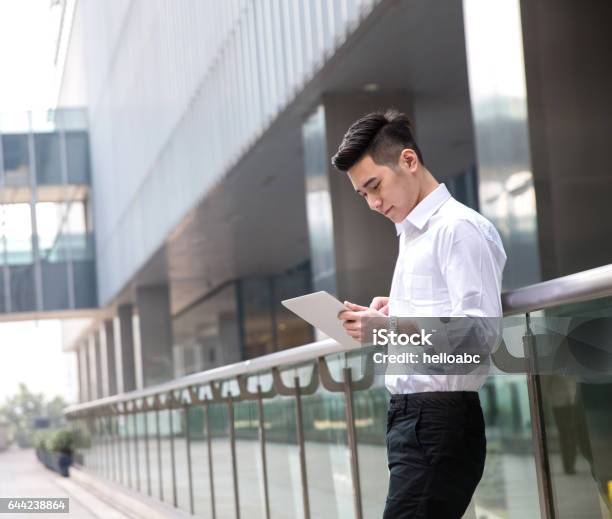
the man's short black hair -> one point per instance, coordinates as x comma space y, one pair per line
381, 135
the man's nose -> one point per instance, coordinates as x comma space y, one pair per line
375, 204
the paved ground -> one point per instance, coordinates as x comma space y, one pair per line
21, 475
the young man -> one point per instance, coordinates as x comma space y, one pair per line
450, 264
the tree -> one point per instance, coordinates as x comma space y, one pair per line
22, 410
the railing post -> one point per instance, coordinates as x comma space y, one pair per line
210, 460
159, 455
111, 444
128, 460
119, 448
302, 448
536, 410
262, 442
230, 418
146, 439
352, 442
189, 469
172, 457
136, 453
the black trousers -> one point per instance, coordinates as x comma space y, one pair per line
436, 448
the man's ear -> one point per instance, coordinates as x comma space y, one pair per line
409, 159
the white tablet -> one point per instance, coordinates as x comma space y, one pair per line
321, 310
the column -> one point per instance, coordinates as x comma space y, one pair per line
94, 367
107, 343
123, 337
155, 334
83, 367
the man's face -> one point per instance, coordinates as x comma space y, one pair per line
392, 192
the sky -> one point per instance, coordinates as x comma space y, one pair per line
30, 352
27, 46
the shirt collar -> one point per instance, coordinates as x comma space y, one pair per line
425, 209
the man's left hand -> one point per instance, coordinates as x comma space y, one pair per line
353, 319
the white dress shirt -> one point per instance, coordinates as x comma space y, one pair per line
450, 264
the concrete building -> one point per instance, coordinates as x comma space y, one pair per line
211, 126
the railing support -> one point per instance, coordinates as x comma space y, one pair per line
536, 410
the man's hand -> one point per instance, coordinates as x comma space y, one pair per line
353, 318
381, 304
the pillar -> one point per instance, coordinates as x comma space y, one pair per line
123, 337
155, 334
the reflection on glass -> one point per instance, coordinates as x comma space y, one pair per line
16, 160
285, 486
577, 414
259, 333
47, 157
207, 334
77, 157
248, 454
16, 233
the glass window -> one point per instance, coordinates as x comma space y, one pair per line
16, 233
77, 157
48, 163
16, 160
259, 333
207, 334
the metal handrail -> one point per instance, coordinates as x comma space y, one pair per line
587, 285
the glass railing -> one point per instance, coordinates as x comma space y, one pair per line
301, 433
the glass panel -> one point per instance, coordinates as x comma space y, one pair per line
155, 450
22, 288
290, 329
55, 285
166, 453
248, 454
180, 456
285, 487
48, 163
85, 295
16, 231
50, 218
207, 334
370, 411
16, 160
222, 460
508, 487
577, 414
199, 461
77, 157
328, 459
259, 334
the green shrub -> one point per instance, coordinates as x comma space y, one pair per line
61, 440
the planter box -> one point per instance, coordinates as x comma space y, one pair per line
56, 461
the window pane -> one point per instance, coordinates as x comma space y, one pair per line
48, 164
77, 157
16, 160
16, 230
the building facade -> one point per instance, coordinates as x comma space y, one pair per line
211, 126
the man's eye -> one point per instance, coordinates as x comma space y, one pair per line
376, 186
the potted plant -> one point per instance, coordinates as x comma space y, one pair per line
62, 446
